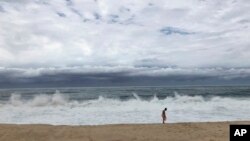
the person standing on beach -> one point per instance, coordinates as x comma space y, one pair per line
163, 115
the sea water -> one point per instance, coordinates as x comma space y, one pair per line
119, 105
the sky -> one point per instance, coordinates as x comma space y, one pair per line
53, 43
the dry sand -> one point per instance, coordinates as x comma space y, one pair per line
214, 131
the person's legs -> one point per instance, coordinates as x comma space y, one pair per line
163, 120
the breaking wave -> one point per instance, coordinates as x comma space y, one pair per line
58, 108
39, 100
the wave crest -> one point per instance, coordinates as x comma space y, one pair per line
39, 100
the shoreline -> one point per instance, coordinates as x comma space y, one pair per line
195, 131
115, 124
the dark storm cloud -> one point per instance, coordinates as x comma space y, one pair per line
126, 77
85, 80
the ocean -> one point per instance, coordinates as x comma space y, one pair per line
122, 105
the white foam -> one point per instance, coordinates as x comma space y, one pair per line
58, 109
15, 99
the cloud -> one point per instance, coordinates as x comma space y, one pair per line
173, 30
158, 38
121, 75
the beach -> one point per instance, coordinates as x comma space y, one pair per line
122, 114
205, 131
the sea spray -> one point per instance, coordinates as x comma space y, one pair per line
123, 106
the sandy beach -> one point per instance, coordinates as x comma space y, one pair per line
209, 131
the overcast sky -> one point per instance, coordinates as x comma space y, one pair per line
124, 42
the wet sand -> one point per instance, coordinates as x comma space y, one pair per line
209, 131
